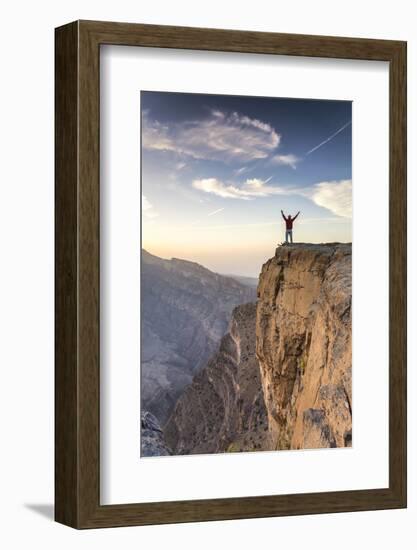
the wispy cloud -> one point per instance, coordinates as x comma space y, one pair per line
220, 136
250, 189
329, 138
287, 160
215, 212
272, 223
148, 209
336, 196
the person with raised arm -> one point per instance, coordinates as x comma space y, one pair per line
288, 225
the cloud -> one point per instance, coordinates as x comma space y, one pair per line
146, 205
215, 212
221, 136
273, 223
251, 189
147, 209
218, 114
287, 160
329, 138
336, 196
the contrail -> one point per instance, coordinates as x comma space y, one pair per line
215, 212
240, 171
329, 138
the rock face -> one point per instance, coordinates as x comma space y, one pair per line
303, 344
223, 409
152, 437
185, 311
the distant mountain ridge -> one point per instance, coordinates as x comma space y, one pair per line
185, 311
245, 280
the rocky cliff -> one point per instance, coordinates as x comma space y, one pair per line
185, 311
223, 409
282, 376
303, 344
152, 440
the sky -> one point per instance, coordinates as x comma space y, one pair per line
217, 170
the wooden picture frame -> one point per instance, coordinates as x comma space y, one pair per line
77, 359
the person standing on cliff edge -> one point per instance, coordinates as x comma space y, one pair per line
288, 225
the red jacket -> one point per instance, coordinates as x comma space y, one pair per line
288, 221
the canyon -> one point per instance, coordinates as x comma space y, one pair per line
223, 409
281, 376
185, 311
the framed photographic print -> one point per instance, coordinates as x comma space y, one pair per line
230, 274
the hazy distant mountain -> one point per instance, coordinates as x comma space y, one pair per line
185, 311
248, 281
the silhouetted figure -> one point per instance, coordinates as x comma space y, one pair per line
288, 225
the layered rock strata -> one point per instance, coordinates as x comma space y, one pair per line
223, 409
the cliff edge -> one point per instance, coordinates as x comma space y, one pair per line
304, 345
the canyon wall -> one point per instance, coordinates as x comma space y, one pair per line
303, 344
223, 409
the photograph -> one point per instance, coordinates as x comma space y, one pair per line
246, 274
209, 259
